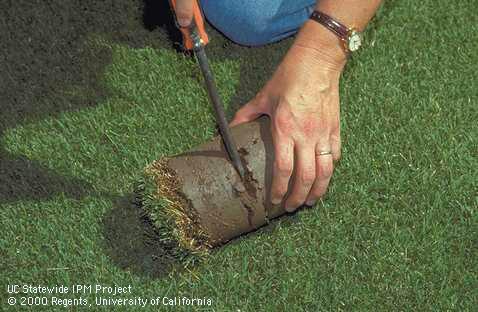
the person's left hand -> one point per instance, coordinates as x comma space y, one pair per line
302, 100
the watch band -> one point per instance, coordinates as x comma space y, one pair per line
339, 29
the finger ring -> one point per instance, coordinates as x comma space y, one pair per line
324, 153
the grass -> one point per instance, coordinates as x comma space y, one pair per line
397, 230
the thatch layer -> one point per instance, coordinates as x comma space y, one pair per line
177, 223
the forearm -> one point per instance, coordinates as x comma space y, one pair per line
352, 13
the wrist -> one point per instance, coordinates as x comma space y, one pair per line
326, 47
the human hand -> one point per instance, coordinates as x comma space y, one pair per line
302, 100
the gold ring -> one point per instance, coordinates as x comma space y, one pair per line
324, 153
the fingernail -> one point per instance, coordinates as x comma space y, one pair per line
276, 201
311, 203
289, 208
183, 22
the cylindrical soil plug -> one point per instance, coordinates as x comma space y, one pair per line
198, 200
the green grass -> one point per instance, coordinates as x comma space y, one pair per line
397, 230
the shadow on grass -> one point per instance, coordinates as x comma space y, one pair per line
48, 68
24, 179
157, 14
132, 242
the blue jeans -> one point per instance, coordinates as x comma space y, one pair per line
257, 22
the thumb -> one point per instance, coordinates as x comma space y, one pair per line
247, 113
184, 12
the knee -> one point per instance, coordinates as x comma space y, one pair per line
253, 28
246, 23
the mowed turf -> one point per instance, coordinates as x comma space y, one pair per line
396, 231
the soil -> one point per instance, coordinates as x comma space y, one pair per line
227, 206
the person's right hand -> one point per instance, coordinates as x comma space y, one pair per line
184, 12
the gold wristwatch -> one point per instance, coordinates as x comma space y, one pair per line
351, 37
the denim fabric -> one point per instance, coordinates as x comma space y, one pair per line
257, 22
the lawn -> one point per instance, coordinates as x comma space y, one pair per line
84, 109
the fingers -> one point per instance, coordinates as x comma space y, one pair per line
184, 12
282, 168
324, 169
304, 177
335, 145
312, 169
247, 113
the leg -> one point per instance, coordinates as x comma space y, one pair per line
258, 22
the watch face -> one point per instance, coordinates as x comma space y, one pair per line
354, 41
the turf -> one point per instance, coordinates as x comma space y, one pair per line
92, 93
